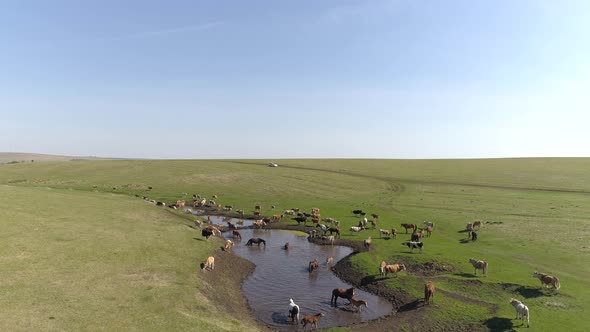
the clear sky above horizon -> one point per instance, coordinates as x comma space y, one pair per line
295, 79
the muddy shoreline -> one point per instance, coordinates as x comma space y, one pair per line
408, 314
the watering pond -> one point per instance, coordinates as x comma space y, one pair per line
283, 274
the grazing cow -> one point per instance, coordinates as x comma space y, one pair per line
315, 218
375, 216
228, 245
367, 243
476, 224
356, 229
256, 240
413, 245
300, 220
293, 312
312, 320
237, 234
393, 233
313, 265
312, 233
479, 265
429, 291
295, 209
345, 293
180, 203
333, 230
522, 311
394, 268
355, 304
384, 232
209, 263
315, 210
258, 207
409, 226
277, 217
198, 223
257, 213
547, 280
215, 196
429, 223
329, 260
206, 233
161, 203
473, 235
289, 212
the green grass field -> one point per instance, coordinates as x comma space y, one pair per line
80, 251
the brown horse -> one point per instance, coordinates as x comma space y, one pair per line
429, 290
547, 280
355, 304
314, 265
334, 230
409, 226
313, 320
345, 293
237, 234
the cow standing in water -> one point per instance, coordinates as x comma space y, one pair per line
293, 311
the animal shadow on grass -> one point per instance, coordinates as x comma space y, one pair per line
371, 280
463, 231
499, 324
466, 275
529, 292
196, 238
463, 241
410, 306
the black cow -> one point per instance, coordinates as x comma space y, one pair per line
206, 233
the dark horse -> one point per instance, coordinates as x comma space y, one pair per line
345, 293
256, 240
334, 230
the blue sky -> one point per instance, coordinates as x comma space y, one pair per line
295, 79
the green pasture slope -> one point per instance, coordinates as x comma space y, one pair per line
86, 251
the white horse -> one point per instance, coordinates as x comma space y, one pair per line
293, 311
522, 311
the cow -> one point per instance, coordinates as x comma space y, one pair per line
413, 245
209, 263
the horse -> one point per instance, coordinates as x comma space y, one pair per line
409, 226
329, 260
286, 246
367, 243
256, 240
356, 303
293, 312
547, 280
313, 320
228, 245
345, 293
522, 311
237, 234
481, 265
384, 232
394, 233
429, 291
334, 230
382, 268
314, 265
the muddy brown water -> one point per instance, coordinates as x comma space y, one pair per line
283, 274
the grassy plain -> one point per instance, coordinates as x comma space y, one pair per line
89, 253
